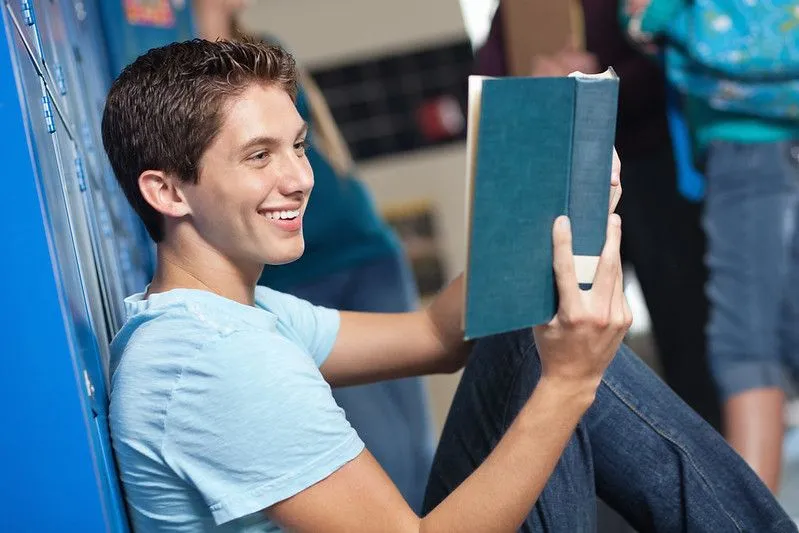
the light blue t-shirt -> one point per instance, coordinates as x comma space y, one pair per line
218, 409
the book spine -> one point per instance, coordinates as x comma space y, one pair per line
592, 160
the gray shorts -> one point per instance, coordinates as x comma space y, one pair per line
753, 258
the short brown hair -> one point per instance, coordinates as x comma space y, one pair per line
165, 108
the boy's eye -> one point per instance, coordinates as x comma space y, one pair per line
260, 156
301, 146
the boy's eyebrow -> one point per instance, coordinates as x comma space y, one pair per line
266, 140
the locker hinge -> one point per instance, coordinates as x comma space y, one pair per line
27, 12
47, 108
80, 173
87, 137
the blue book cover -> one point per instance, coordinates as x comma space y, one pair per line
537, 148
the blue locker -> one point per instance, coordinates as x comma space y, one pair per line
72, 250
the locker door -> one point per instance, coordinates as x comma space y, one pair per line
49, 479
74, 223
125, 237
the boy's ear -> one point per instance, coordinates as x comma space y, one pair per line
164, 193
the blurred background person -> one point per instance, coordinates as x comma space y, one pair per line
662, 237
747, 140
353, 261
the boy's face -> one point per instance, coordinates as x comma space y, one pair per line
254, 181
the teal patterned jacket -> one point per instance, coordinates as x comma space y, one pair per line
740, 56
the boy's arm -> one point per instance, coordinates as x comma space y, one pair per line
373, 346
360, 498
575, 349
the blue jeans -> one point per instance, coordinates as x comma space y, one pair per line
391, 417
753, 260
639, 448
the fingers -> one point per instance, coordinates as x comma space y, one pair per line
607, 271
608, 301
563, 264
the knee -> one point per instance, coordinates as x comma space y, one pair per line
509, 349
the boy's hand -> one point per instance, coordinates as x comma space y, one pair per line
579, 343
445, 312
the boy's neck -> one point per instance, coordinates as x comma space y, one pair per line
177, 269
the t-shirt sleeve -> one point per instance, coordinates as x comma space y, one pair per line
315, 327
252, 422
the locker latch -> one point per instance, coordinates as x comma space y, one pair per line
60, 81
88, 382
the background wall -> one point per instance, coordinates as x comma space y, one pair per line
345, 29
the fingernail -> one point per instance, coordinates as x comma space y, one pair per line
615, 219
563, 223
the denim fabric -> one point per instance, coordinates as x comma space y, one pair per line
753, 259
639, 448
391, 417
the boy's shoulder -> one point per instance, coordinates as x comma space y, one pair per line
185, 317
177, 325
188, 337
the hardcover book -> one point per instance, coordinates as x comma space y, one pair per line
537, 148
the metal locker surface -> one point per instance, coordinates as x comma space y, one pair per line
73, 249
49, 481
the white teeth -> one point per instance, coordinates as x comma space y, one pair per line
284, 215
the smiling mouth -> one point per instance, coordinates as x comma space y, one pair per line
281, 215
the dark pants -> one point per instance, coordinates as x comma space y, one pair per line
664, 242
639, 448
